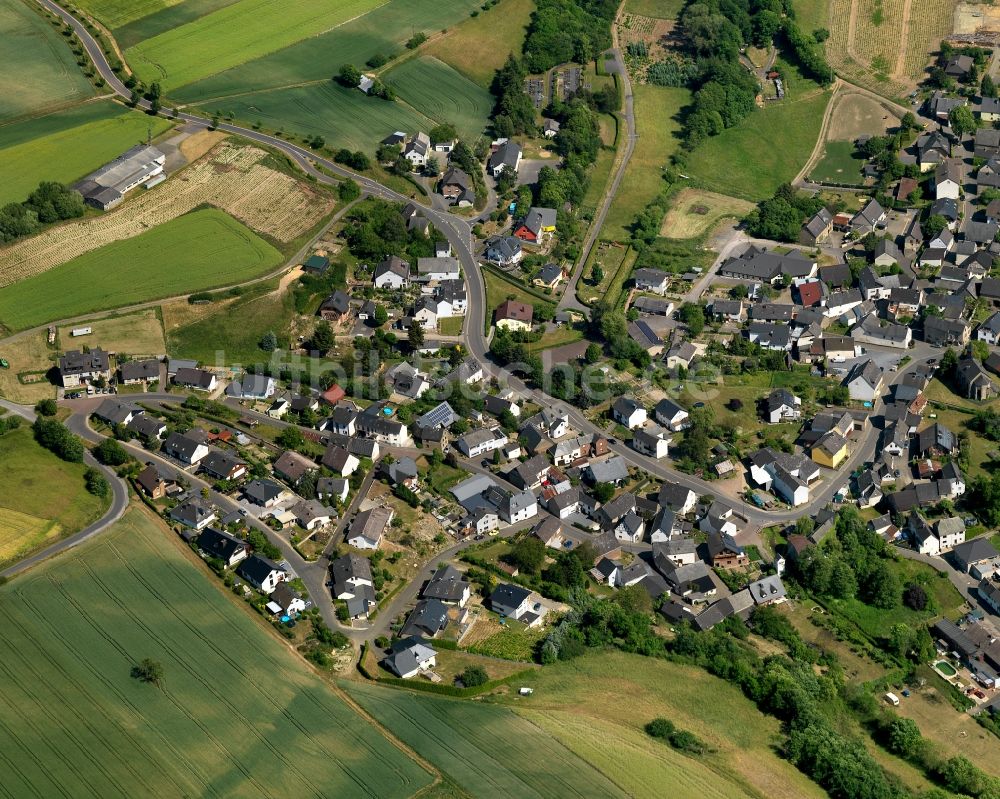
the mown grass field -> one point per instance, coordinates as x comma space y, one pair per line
811, 14
503, 26
37, 68
744, 763
237, 712
44, 498
838, 164
694, 213
488, 751
233, 35
767, 148
162, 19
193, 252
656, 110
68, 153
439, 92
139, 333
662, 9
344, 117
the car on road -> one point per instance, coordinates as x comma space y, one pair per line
612, 440
931, 361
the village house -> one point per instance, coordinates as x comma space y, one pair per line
368, 527
79, 368
513, 315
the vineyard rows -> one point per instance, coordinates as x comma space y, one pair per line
930, 22
230, 177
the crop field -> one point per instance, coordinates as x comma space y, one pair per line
232, 177
489, 751
744, 763
503, 26
656, 110
384, 30
344, 117
37, 68
115, 13
69, 153
44, 498
439, 92
694, 213
165, 19
767, 148
838, 164
235, 34
197, 251
237, 711
136, 334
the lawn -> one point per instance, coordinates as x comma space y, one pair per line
503, 26
384, 30
167, 16
44, 498
557, 337
767, 148
656, 112
838, 164
37, 68
441, 477
67, 145
233, 35
451, 326
694, 212
233, 329
439, 92
744, 764
199, 250
237, 710
344, 117
136, 334
488, 751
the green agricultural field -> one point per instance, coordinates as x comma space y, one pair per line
234, 35
344, 117
164, 19
656, 112
767, 148
488, 751
44, 498
196, 251
441, 93
838, 164
115, 13
69, 153
384, 30
37, 68
237, 711
663, 9
812, 14
504, 26
744, 761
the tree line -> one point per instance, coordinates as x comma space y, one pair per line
50, 202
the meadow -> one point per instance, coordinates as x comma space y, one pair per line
47, 150
384, 30
838, 164
767, 148
441, 93
656, 110
504, 26
44, 498
233, 35
488, 751
661, 9
163, 19
136, 334
197, 251
38, 70
344, 117
744, 762
694, 213
236, 712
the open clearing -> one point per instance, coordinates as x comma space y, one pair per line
237, 711
504, 26
766, 148
855, 115
695, 212
656, 110
488, 751
200, 250
37, 68
662, 9
44, 498
68, 153
439, 92
384, 30
232, 177
745, 762
31, 357
233, 35
134, 334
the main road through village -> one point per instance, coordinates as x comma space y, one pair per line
459, 234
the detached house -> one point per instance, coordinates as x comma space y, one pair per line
513, 315
503, 250
671, 415
629, 413
506, 156
78, 368
654, 280
261, 573
948, 179
368, 527
782, 406
536, 225
392, 273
